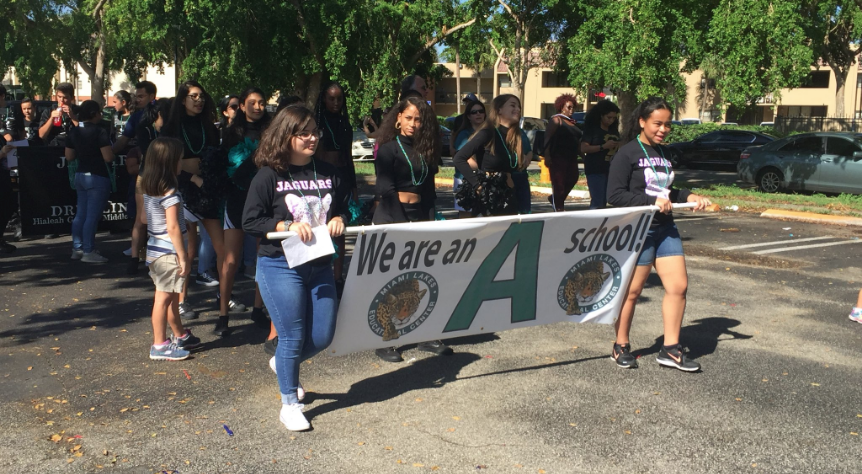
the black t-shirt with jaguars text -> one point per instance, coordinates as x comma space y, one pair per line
313, 193
639, 175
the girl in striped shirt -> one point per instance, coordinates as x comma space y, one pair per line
166, 247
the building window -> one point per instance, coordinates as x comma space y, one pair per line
553, 79
817, 80
505, 81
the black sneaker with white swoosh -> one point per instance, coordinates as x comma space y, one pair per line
677, 359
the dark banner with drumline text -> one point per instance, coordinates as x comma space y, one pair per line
48, 201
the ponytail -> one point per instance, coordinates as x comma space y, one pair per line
643, 111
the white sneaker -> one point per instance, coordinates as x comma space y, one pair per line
77, 254
128, 252
93, 257
292, 418
300, 392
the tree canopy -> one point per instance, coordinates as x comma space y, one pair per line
637, 48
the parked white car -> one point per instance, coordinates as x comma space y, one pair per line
363, 147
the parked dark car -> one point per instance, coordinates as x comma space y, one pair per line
820, 161
721, 147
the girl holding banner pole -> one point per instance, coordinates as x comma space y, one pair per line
500, 148
294, 191
641, 175
407, 161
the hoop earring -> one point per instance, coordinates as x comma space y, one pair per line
397, 125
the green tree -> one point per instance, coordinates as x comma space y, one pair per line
834, 30
29, 32
524, 32
760, 46
635, 48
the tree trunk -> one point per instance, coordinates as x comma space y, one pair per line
97, 81
627, 102
458, 80
313, 90
840, 83
479, 85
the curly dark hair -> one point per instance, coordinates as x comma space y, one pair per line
561, 101
602, 108
426, 141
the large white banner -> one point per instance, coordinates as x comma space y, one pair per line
418, 282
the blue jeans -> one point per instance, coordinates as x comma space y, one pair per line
522, 191
93, 192
302, 304
206, 252
598, 184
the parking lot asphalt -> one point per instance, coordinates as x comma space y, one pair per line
767, 317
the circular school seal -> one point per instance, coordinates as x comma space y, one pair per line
403, 304
590, 284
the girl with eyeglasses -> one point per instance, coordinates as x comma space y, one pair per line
499, 148
476, 116
295, 191
191, 120
336, 148
241, 139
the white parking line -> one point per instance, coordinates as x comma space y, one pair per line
762, 252
777, 242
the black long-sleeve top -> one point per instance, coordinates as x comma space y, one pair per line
337, 136
290, 195
394, 175
636, 179
479, 146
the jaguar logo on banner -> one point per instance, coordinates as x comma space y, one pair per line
403, 305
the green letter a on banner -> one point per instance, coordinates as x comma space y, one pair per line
521, 289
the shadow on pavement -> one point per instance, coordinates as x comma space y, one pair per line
431, 372
701, 337
535, 367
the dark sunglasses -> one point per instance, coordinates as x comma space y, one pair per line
477, 111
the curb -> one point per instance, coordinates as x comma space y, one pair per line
810, 217
447, 182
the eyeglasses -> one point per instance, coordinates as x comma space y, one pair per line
195, 97
233, 106
477, 112
305, 135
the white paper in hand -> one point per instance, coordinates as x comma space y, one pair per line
297, 252
12, 157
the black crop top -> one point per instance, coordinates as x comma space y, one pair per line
337, 136
479, 146
196, 134
396, 174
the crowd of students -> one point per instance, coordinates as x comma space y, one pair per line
256, 173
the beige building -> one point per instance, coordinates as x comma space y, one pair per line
817, 99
